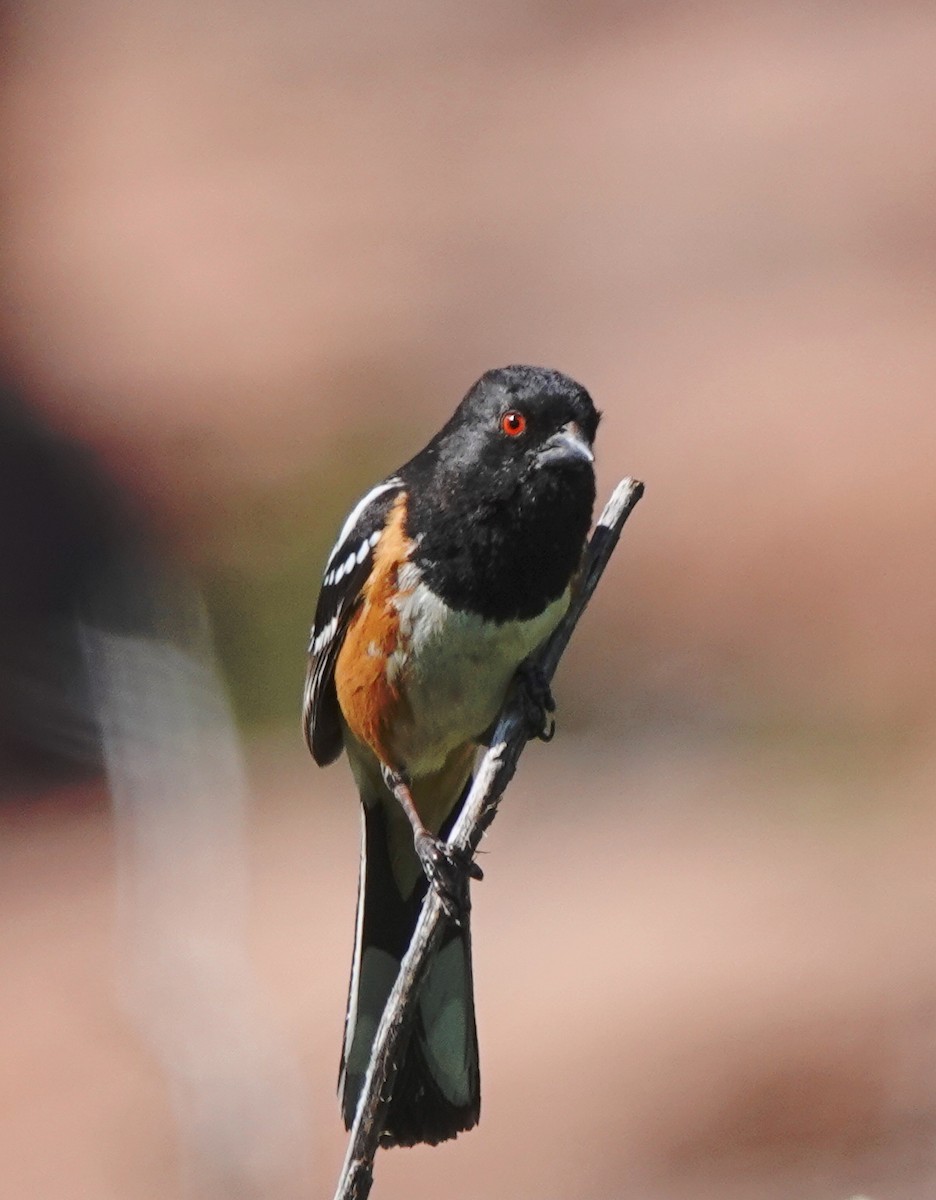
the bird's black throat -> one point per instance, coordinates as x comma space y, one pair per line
504, 553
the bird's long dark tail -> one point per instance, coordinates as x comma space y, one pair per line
437, 1090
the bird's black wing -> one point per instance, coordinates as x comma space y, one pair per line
346, 572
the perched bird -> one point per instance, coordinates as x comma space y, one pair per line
445, 578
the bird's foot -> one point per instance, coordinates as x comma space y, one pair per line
448, 869
536, 700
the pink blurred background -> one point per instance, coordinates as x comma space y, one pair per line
252, 255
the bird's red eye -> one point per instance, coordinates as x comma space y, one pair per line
513, 423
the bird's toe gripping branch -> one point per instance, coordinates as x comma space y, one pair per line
448, 870
536, 699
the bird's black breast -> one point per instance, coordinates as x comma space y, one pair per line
503, 556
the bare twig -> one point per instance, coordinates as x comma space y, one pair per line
494, 772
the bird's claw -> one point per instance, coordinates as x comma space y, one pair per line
448, 869
537, 701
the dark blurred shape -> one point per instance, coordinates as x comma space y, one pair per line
107, 667
64, 529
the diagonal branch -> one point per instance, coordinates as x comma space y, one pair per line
494, 772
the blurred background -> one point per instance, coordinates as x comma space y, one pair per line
251, 256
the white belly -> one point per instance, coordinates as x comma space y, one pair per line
453, 671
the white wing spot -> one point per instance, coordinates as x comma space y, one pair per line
324, 637
356, 512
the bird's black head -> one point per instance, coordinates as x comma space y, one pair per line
501, 498
516, 422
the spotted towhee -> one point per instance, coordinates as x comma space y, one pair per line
444, 580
